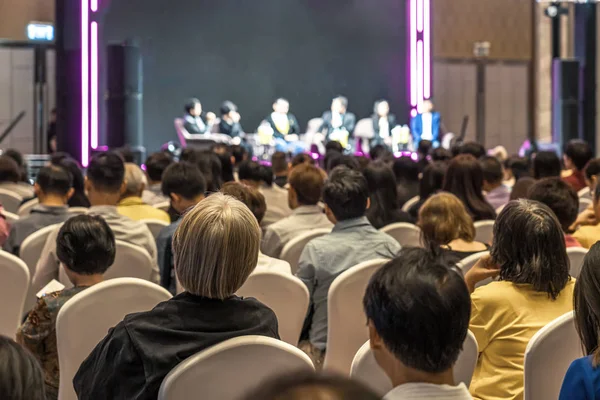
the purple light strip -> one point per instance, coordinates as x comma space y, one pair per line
94, 86
94, 5
413, 53
427, 49
420, 75
420, 53
85, 82
420, 15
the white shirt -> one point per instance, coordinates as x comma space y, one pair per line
384, 128
427, 132
277, 204
429, 391
336, 120
270, 264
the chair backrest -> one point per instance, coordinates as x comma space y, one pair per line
548, 356
10, 201
155, 226
410, 202
576, 256
346, 320
182, 133
85, 320
585, 192
163, 206
26, 208
293, 249
10, 217
286, 295
484, 231
232, 368
14, 284
131, 261
499, 209
364, 129
584, 203
467, 263
408, 235
313, 125
366, 370
78, 210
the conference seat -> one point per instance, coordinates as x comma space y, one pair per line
78, 210
410, 202
155, 226
293, 249
363, 133
408, 235
585, 193
11, 218
584, 204
229, 370
467, 263
131, 261
165, 205
576, 256
484, 231
286, 295
548, 356
26, 208
10, 201
366, 370
347, 324
499, 209
201, 141
13, 289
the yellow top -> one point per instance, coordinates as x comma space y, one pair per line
137, 210
587, 235
504, 317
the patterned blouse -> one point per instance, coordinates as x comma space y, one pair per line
38, 334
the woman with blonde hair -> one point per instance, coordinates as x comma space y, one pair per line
215, 249
446, 224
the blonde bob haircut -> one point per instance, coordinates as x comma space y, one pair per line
215, 248
444, 218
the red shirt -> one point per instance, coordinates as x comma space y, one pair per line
576, 180
570, 241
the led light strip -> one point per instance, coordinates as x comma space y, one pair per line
420, 53
85, 83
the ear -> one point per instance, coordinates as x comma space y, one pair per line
175, 198
87, 184
36, 189
374, 339
368, 203
70, 193
123, 188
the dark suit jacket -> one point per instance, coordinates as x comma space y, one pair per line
233, 130
191, 125
348, 122
376, 138
294, 126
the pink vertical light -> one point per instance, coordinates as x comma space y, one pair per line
413, 53
85, 83
426, 49
420, 76
420, 15
94, 5
94, 85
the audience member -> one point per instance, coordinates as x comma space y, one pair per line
576, 156
156, 164
338, 159
226, 167
104, 184
229, 123
280, 168
131, 204
10, 178
18, 157
592, 170
582, 380
79, 198
515, 168
255, 201
303, 158
446, 224
21, 377
496, 193
86, 248
184, 184
126, 154
407, 179
464, 179
441, 154
431, 182
384, 209
473, 148
418, 310
423, 151
216, 249
352, 241
306, 184
239, 154
53, 188
207, 165
521, 188
589, 234
193, 118
560, 197
534, 289
546, 164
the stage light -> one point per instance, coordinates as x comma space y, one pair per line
420, 53
94, 85
85, 84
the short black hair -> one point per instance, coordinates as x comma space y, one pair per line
473, 148
338, 159
127, 154
346, 193
334, 145
520, 166
227, 107
406, 170
302, 158
592, 169
250, 171
492, 169
86, 245
190, 104
238, 152
546, 164
424, 147
184, 179
55, 179
420, 306
21, 376
266, 175
342, 99
579, 152
9, 170
15, 155
156, 164
560, 197
441, 154
107, 171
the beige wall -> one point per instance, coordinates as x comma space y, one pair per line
16, 14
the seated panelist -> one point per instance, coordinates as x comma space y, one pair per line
338, 124
283, 126
426, 125
230, 120
193, 121
386, 129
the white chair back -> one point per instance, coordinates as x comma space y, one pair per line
163, 206
408, 235
576, 256
585, 193
410, 202
14, 284
10, 201
11, 218
366, 370
484, 231
584, 203
313, 125
293, 249
229, 370
364, 129
182, 133
130, 262
548, 356
26, 208
155, 226
286, 295
467, 263
78, 210
499, 209
85, 320
347, 323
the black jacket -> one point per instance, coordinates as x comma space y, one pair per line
294, 126
233, 130
192, 126
348, 122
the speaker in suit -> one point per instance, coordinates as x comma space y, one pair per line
193, 121
283, 124
338, 124
426, 126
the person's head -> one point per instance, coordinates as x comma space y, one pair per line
379, 151
492, 172
226, 166
418, 309
301, 158
208, 163
345, 194
239, 154
424, 148
473, 148
184, 185
577, 154
443, 218
21, 376
381, 108
227, 107
248, 195
383, 193
560, 197
79, 198
126, 154
215, 247
541, 259
521, 188
517, 167
587, 304
432, 179
339, 159
193, 107
15, 155
592, 170
85, 246
135, 181
546, 164
306, 185
406, 170
339, 105
441, 154
105, 180
334, 146
266, 175
156, 164
428, 106
54, 184
281, 106
9, 170
250, 173
279, 163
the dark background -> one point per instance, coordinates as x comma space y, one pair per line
252, 51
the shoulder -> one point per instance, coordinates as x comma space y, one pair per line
580, 381
493, 292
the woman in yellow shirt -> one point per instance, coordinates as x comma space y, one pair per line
529, 256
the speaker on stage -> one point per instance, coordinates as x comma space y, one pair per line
566, 107
124, 99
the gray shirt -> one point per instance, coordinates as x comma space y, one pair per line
429, 391
153, 195
351, 242
498, 197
